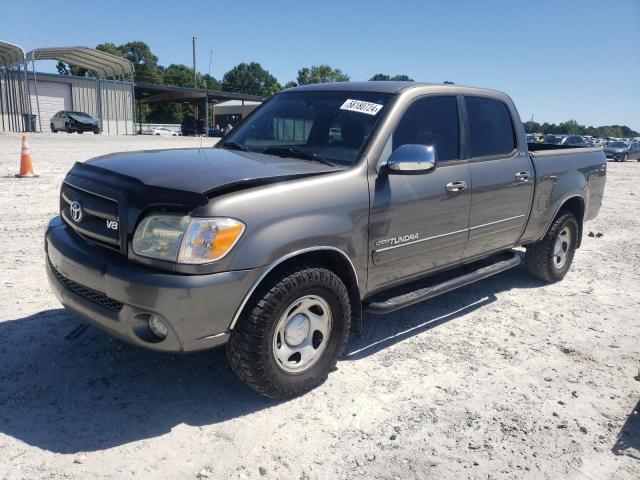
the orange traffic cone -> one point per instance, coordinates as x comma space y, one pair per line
26, 169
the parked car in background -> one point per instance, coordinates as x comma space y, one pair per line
164, 132
216, 131
622, 151
567, 140
192, 126
274, 244
69, 121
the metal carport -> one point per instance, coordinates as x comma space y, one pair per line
152, 93
111, 97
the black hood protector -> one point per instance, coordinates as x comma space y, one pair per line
208, 172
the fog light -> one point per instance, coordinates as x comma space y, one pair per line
158, 326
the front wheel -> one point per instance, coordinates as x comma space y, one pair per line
53, 129
67, 128
292, 332
550, 258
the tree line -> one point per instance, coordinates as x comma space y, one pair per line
251, 78
572, 127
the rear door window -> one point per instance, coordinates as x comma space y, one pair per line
490, 127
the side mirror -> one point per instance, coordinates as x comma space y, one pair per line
412, 159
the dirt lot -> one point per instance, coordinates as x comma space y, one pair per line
506, 378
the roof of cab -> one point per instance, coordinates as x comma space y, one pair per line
380, 87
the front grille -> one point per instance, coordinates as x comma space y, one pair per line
99, 221
86, 292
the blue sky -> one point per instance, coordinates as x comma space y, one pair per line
557, 59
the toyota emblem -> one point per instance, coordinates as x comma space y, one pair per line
76, 212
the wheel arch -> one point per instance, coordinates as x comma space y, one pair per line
331, 258
575, 205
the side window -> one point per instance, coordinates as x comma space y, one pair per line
431, 121
62, 115
490, 127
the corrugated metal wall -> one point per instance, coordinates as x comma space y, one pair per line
13, 101
117, 107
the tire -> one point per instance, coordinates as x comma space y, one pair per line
53, 129
626, 157
80, 132
96, 131
262, 349
67, 128
550, 258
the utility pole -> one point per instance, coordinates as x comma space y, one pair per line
195, 78
206, 98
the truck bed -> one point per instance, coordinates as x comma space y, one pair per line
563, 172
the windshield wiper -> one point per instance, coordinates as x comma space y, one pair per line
294, 152
235, 146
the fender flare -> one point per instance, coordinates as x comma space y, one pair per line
281, 260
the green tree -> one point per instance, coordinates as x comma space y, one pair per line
250, 78
211, 82
572, 127
321, 74
144, 61
381, 77
179, 75
289, 85
532, 127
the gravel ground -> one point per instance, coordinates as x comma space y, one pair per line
506, 378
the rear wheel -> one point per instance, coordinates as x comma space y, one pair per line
292, 333
550, 258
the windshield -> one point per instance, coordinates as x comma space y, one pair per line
555, 139
617, 145
80, 114
332, 126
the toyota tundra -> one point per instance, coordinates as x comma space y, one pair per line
326, 202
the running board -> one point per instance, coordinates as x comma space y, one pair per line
406, 299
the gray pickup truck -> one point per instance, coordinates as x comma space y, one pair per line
326, 202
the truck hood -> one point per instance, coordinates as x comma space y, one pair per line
207, 171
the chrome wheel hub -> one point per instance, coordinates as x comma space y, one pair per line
561, 248
302, 334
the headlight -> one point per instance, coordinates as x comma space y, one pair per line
184, 239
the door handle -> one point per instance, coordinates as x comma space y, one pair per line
523, 176
456, 186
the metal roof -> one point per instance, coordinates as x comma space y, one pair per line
152, 93
101, 64
10, 54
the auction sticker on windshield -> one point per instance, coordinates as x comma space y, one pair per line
361, 106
